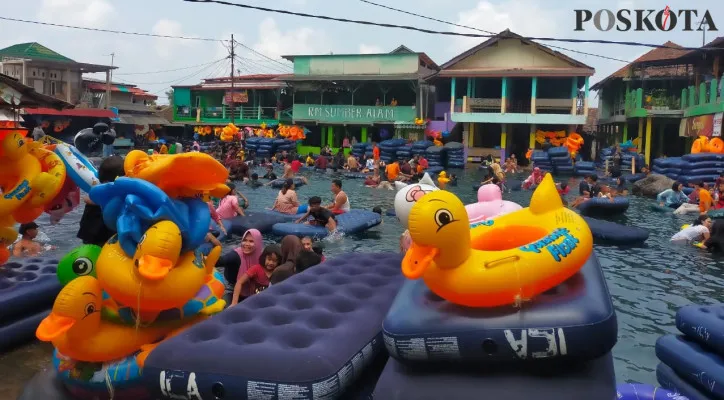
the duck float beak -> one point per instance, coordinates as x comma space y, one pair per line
154, 268
53, 326
417, 260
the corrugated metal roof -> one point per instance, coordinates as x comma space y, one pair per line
33, 51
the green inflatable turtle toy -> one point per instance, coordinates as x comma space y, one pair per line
81, 261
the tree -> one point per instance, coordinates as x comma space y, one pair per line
169, 94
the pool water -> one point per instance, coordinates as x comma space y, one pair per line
647, 284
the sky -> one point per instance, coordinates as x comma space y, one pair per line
272, 35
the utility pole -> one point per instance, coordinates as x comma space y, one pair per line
108, 82
231, 106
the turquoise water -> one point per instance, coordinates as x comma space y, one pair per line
647, 284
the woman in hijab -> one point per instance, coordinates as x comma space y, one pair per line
245, 256
534, 179
291, 247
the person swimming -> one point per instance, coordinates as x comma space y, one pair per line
697, 232
27, 246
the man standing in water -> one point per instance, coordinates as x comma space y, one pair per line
341, 201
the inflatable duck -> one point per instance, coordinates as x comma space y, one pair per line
407, 195
179, 175
490, 204
497, 262
158, 277
75, 328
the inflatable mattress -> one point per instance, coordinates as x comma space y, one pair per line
309, 337
600, 206
606, 232
575, 320
639, 391
261, 220
670, 380
353, 221
593, 380
278, 183
702, 369
704, 324
27, 290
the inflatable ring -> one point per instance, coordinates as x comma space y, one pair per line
700, 145
77, 166
496, 262
47, 184
88, 380
18, 171
716, 145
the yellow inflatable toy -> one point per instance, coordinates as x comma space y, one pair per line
179, 175
507, 260
574, 143
442, 178
229, 133
75, 328
700, 145
30, 177
157, 278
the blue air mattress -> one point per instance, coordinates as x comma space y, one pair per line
434, 169
263, 221
604, 207
702, 369
27, 285
585, 165
639, 391
558, 152
575, 320
354, 175
308, 338
703, 157
704, 324
686, 179
287, 217
634, 177
669, 379
21, 328
606, 232
593, 380
278, 183
353, 221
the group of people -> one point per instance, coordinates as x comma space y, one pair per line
701, 199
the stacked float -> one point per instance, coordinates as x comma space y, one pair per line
632, 162
436, 158
540, 159
267, 147
699, 167
389, 148
404, 152
358, 149
584, 168
149, 282
668, 166
561, 160
419, 148
466, 332
455, 155
693, 363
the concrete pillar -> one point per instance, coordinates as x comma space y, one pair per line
531, 137
503, 140
574, 94
533, 94
69, 88
503, 95
585, 98
452, 97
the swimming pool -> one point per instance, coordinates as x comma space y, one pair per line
647, 284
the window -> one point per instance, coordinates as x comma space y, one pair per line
52, 88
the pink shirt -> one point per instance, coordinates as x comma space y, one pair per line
287, 203
227, 207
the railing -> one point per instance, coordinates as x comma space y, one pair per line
653, 101
706, 93
224, 113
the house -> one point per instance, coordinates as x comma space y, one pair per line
665, 98
365, 96
500, 92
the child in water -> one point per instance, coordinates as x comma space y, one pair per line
92, 229
259, 274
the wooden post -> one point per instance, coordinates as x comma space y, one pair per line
647, 153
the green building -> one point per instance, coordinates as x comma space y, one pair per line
365, 96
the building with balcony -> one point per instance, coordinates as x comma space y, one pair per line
253, 101
664, 99
368, 97
498, 93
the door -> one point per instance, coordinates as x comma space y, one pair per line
38, 86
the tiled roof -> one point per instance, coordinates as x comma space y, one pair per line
33, 51
671, 52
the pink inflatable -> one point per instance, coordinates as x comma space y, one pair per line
490, 204
66, 201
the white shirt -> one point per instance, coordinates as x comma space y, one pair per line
691, 234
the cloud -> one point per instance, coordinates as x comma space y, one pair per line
370, 49
166, 47
86, 13
273, 42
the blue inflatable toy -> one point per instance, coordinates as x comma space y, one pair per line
130, 206
639, 391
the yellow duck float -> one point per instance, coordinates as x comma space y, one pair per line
499, 262
179, 175
30, 177
157, 277
76, 329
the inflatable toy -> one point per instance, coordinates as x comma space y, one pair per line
352, 221
716, 145
131, 206
490, 204
574, 143
700, 145
78, 167
81, 261
86, 380
179, 175
75, 328
157, 278
228, 133
90, 140
66, 201
639, 391
442, 178
407, 195
472, 265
